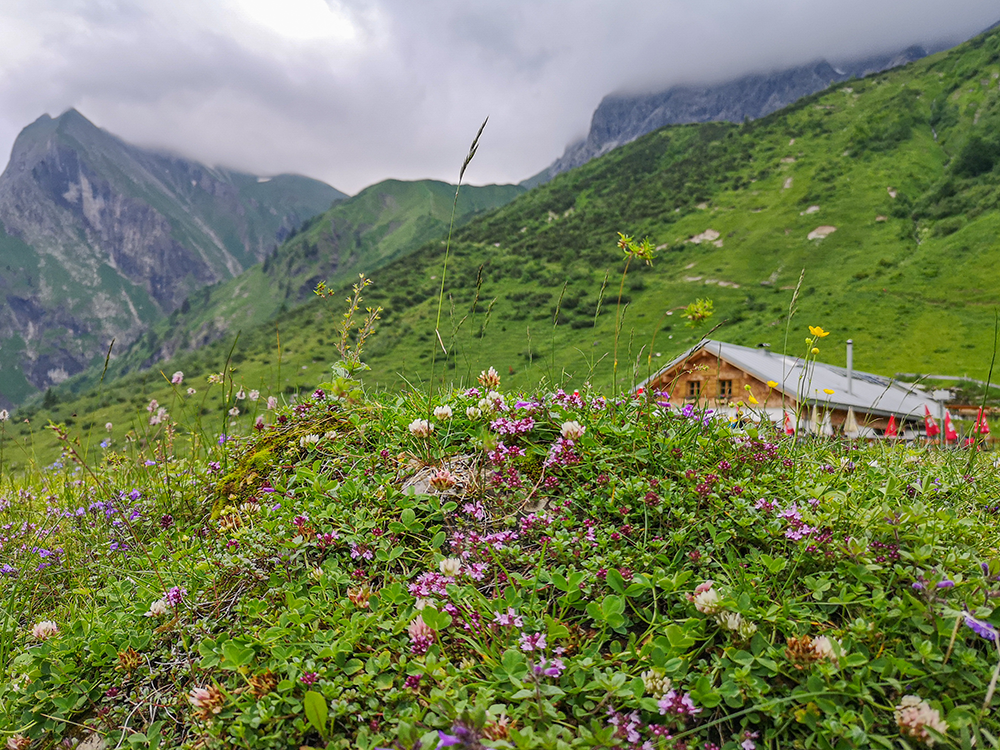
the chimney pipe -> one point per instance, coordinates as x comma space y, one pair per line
850, 366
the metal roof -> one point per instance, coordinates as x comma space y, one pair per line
872, 394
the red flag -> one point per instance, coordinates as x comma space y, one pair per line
982, 426
789, 427
949, 429
890, 431
930, 423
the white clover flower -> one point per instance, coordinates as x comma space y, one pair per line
828, 648
421, 428
656, 683
44, 630
178, 378
450, 566
316, 573
729, 620
443, 412
572, 430
424, 602
914, 715
473, 412
157, 608
253, 395
306, 440
706, 599
489, 378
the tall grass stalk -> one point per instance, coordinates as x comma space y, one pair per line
447, 252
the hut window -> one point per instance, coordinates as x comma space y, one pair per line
725, 389
694, 388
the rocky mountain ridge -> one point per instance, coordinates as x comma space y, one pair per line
621, 117
99, 239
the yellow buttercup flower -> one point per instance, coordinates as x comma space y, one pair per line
751, 399
814, 350
772, 383
829, 391
818, 331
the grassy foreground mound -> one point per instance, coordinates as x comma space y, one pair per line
491, 569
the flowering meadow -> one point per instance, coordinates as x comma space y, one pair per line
482, 568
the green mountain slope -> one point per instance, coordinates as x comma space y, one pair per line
106, 238
903, 165
382, 223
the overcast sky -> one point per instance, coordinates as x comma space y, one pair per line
356, 91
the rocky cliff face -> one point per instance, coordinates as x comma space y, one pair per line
622, 118
99, 239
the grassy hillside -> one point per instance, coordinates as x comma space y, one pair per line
381, 224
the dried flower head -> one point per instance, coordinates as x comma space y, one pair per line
18, 742
208, 701
128, 660
262, 684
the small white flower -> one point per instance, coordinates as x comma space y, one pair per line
234, 412
827, 648
473, 412
157, 608
177, 378
316, 573
108, 426
443, 412
729, 620
423, 602
241, 394
4, 415
253, 395
272, 402
192, 391
44, 630
914, 715
572, 430
152, 406
306, 440
450, 566
421, 428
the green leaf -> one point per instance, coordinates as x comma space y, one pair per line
407, 517
237, 654
435, 619
316, 711
615, 581
438, 540
612, 605
679, 637
354, 665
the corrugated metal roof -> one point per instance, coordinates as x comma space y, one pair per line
872, 394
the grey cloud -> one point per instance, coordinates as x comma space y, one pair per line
405, 101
